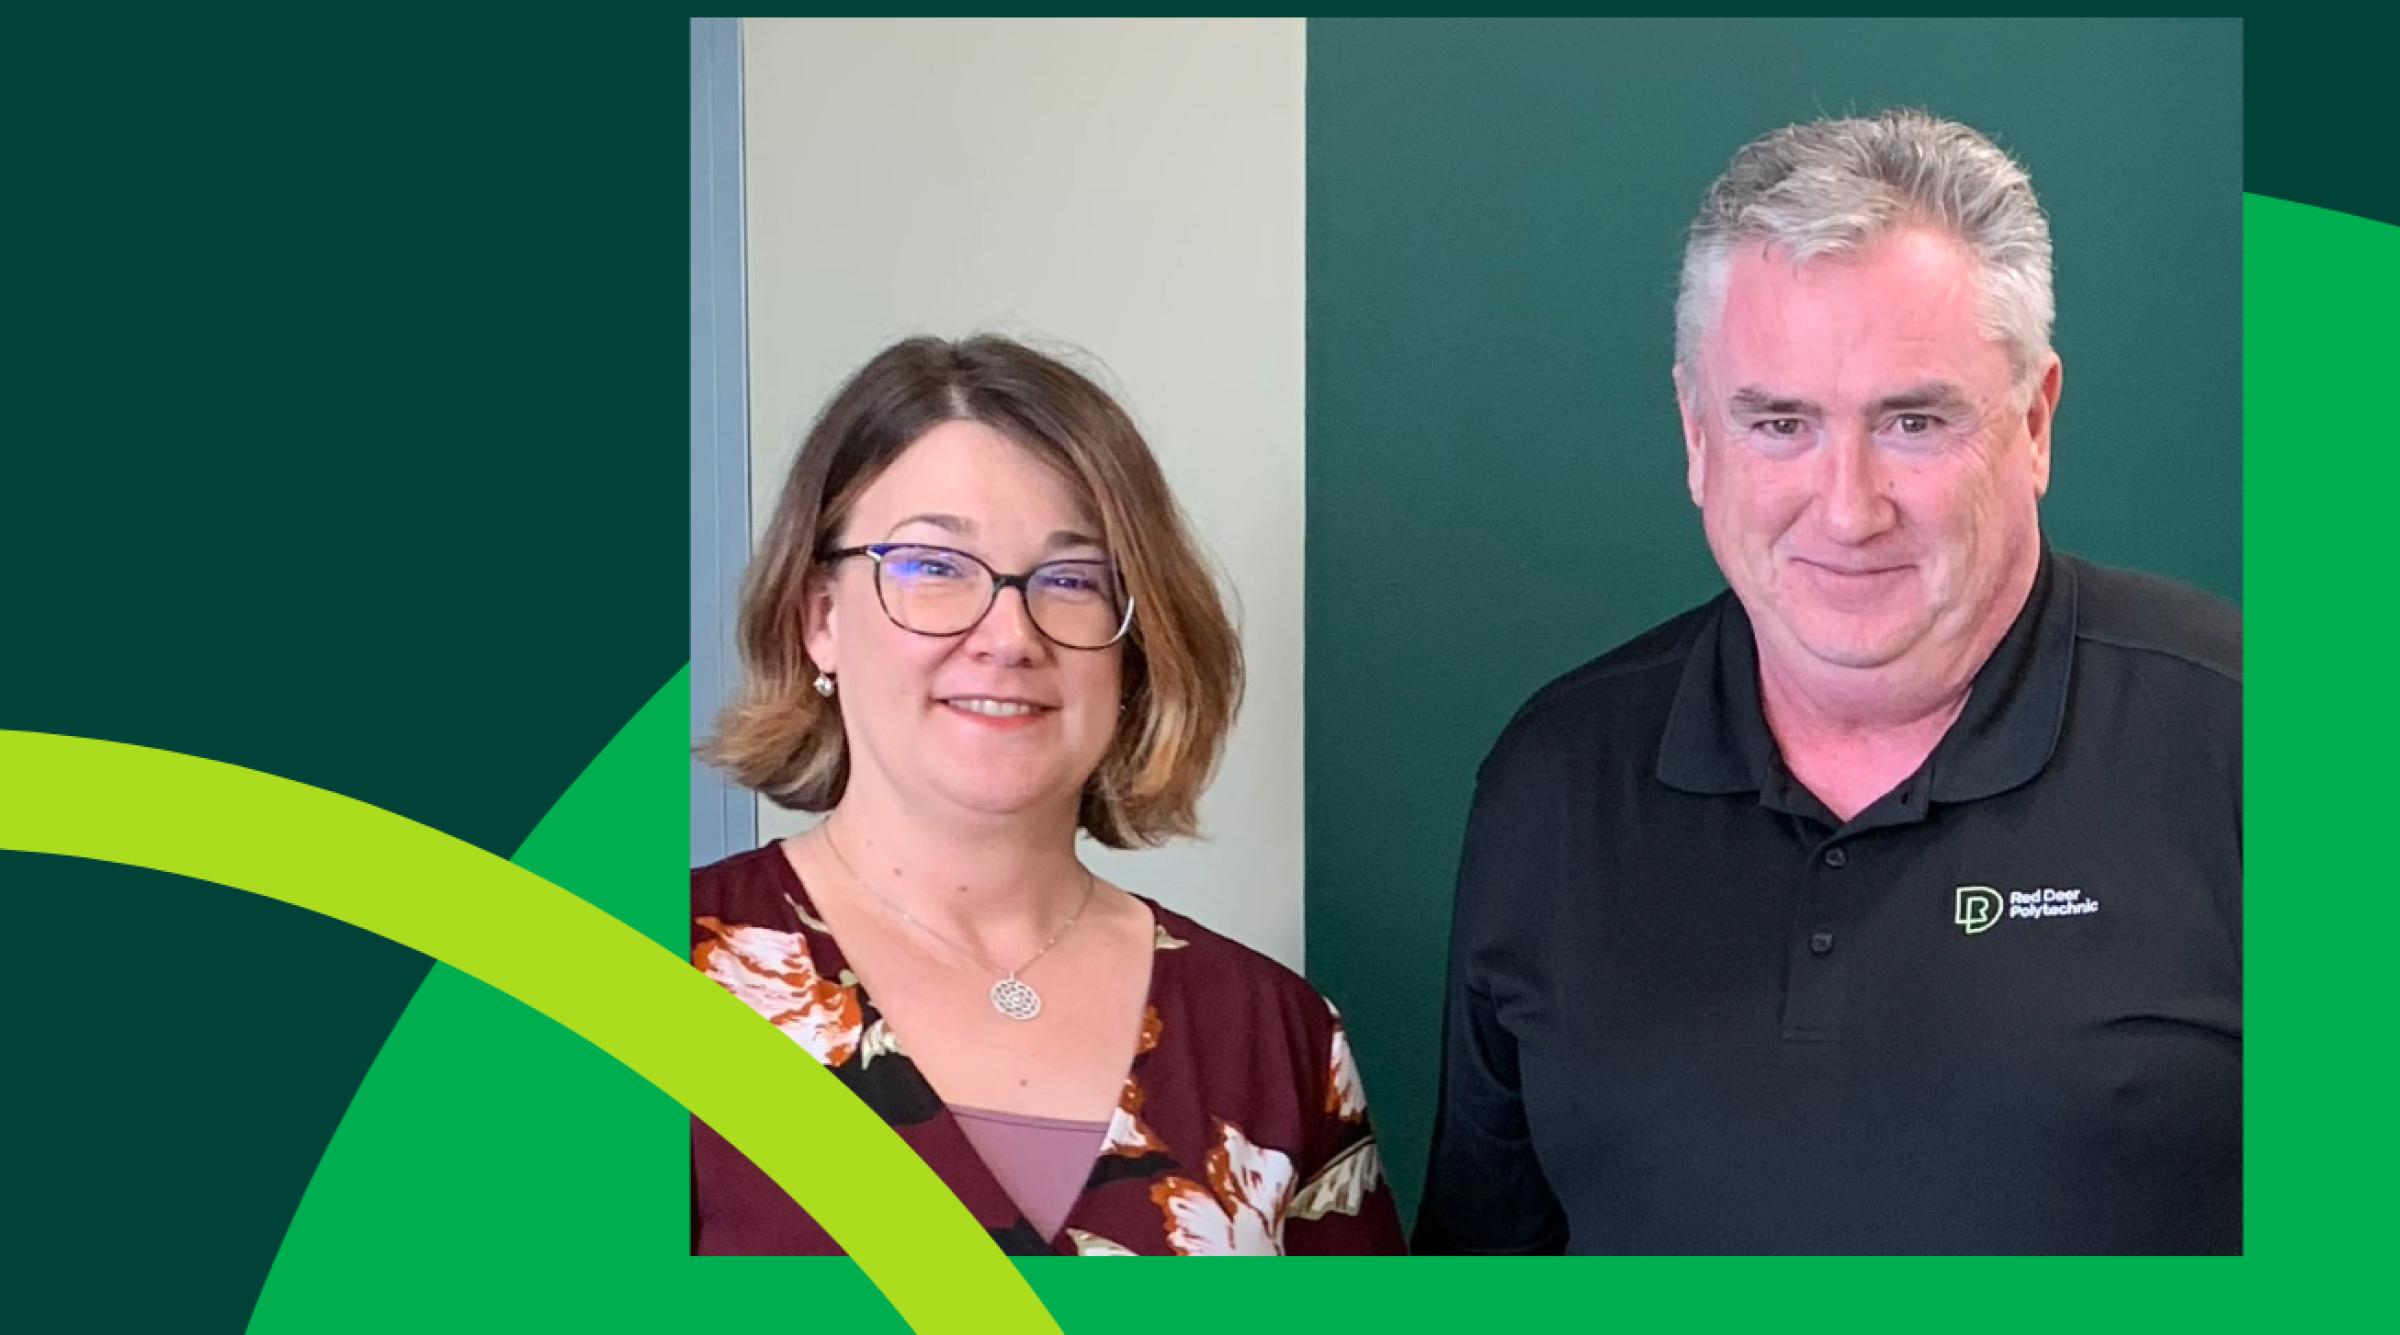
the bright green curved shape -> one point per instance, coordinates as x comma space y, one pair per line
511, 1173
567, 959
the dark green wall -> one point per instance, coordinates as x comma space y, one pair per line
1495, 485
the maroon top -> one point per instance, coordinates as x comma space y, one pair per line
1242, 1127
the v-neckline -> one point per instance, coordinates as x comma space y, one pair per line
943, 1125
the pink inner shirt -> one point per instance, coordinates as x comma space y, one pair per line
1042, 1162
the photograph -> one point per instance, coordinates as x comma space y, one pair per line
1662, 596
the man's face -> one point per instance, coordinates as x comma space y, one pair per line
1865, 467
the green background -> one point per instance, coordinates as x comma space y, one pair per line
1495, 470
345, 438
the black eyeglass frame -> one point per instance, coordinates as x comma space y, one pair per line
1022, 583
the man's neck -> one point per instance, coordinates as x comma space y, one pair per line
1850, 735
1849, 758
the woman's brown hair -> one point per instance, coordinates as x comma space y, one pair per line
1183, 665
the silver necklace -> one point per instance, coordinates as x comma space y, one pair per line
1012, 996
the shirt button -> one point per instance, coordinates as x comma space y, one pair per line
1821, 944
1837, 857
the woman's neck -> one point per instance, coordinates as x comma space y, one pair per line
994, 885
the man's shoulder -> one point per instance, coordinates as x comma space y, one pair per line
1622, 693
2157, 623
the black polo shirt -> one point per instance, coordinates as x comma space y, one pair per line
1997, 1011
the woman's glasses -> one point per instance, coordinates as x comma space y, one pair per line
942, 591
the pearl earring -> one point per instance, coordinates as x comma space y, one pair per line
824, 684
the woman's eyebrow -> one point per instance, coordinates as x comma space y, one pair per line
948, 523
1067, 537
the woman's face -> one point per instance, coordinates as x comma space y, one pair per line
998, 721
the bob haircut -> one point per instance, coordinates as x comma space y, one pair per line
1182, 668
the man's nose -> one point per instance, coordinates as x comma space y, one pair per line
1853, 502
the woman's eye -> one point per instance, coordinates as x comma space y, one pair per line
924, 567
1074, 581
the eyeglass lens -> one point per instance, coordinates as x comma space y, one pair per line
936, 591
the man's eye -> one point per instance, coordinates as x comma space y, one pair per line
1913, 424
1782, 426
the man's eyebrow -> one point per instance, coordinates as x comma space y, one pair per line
1759, 401
948, 523
1932, 394
1066, 538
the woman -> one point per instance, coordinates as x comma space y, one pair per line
977, 625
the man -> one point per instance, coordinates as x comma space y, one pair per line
1892, 901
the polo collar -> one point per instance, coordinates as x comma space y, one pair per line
1716, 739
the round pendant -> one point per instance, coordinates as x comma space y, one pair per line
1016, 999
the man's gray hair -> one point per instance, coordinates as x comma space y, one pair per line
1831, 187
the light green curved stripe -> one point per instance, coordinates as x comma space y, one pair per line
643, 1005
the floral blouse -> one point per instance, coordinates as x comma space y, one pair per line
1242, 1128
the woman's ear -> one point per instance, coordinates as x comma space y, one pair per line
817, 632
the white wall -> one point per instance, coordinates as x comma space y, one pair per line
1133, 188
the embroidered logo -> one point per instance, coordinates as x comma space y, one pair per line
1976, 908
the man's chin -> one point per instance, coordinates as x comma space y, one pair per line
1858, 648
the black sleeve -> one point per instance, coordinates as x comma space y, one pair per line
1484, 1190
